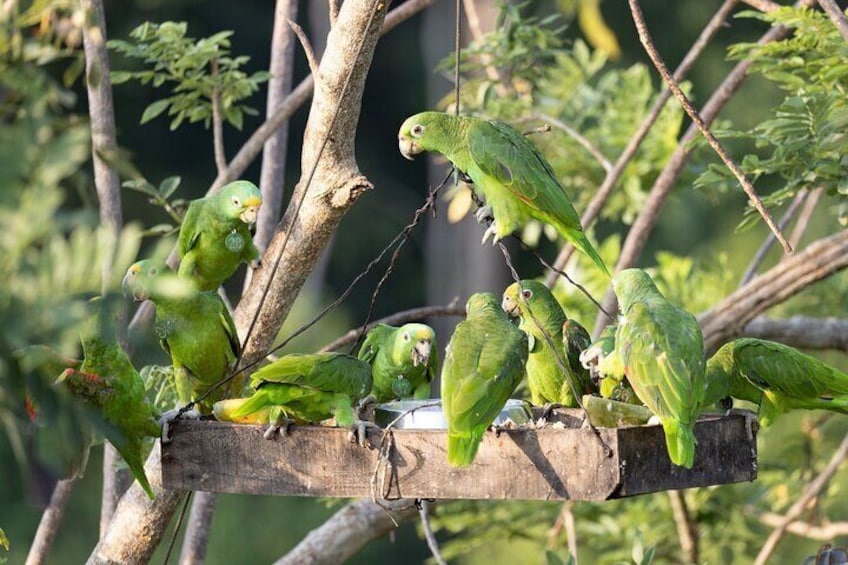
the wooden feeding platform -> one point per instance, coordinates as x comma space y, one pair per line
559, 461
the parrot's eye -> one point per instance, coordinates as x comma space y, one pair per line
405, 337
236, 201
527, 294
417, 130
153, 271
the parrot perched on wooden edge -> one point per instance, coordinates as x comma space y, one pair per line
507, 170
775, 376
108, 384
540, 313
662, 351
484, 362
403, 360
606, 368
215, 234
301, 388
194, 328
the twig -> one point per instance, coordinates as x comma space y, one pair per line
613, 176
423, 506
818, 260
687, 532
116, 481
804, 217
307, 46
802, 331
760, 255
824, 532
579, 138
648, 216
217, 120
764, 6
49, 524
198, 528
836, 15
470, 8
656, 58
333, 11
565, 519
813, 489
398, 318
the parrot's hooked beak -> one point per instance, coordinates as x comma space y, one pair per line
421, 352
510, 306
408, 148
251, 210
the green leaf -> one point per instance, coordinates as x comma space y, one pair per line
168, 186
155, 110
141, 186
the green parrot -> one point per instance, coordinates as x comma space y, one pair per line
108, 384
215, 235
403, 360
507, 170
775, 376
484, 362
304, 389
194, 328
539, 314
661, 349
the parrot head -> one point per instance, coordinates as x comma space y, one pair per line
416, 341
633, 285
426, 131
153, 277
241, 199
519, 293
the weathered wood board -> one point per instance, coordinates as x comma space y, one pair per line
555, 462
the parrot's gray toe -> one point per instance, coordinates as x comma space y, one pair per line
484, 215
359, 433
170, 416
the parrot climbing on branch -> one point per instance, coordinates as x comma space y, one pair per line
215, 235
194, 328
554, 372
661, 349
507, 170
403, 360
484, 362
302, 388
108, 384
775, 376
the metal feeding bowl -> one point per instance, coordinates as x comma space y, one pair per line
428, 414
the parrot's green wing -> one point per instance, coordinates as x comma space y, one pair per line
576, 339
376, 338
189, 233
328, 372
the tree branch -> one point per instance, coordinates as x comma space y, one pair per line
307, 47
578, 137
217, 121
612, 177
648, 216
802, 331
836, 15
656, 58
49, 524
804, 218
198, 528
348, 530
687, 532
116, 481
824, 532
813, 489
818, 260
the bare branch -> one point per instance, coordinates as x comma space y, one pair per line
687, 531
824, 532
432, 543
307, 47
198, 528
802, 331
813, 489
818, 260
578, 137
760, 255
836, 15
764, 6
804, 218
217, 120
348, 530
613, 176
116, 481
648, 216
399, 318
334, 11
49, 524
656, 58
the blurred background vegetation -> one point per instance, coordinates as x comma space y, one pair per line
566, 67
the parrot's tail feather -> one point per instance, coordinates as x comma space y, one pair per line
582, 243
680, 442
245, 407
462, 449
137, 470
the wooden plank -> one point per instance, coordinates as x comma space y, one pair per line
551, 463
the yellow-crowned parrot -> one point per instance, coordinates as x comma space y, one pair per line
403, 360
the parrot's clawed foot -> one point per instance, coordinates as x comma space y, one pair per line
171, 415
547, 410
484, 215
365, 408
280, 427
359, 433
654, 421
491, 231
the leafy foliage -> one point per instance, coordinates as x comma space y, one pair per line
195, 70
803, 143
